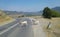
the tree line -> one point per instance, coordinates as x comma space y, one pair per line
49, 13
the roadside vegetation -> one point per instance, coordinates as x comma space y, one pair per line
54, 27
49, 13
4, 17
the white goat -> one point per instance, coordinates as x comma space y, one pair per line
24, 22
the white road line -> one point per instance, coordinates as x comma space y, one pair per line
8, 29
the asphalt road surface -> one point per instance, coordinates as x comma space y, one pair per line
20, 31
29, 30
8, 25
23, 31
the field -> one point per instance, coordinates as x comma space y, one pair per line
54, 28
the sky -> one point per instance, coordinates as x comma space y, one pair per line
28, 5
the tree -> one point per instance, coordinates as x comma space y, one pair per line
47, 13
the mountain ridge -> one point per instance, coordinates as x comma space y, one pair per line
56, 9
30, 13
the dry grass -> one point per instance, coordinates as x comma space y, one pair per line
54, 30
56, 26
6, 21
4, 18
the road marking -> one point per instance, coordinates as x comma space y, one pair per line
8, 29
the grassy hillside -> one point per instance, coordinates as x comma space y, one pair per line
4, 17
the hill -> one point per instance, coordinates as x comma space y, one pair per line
56, 8
24, 13
38, 13
4, 18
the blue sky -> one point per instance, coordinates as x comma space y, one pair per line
27, 5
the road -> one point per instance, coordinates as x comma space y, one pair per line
30, 30
8, 25
25, 31
20, 31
